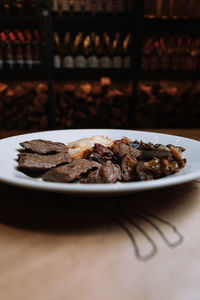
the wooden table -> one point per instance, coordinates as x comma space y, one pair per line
141, 246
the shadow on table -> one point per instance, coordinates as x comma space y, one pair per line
143, 217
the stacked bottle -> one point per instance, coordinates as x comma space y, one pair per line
20, 50
171, 53
17, 7
172, 9
91, 7
92, 51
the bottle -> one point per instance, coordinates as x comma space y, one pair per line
150, 8
9, 56
105, 61
108, 7
175, 58
36, 50
88, 7
3, 49
83, 7
93, 61
129, 7
188, 55
117, 53
93, 8
165, 56
98, 49
1, 59
80, 60
71, 7
57, 56
165, 9
68, 61
87, 49
28, 64
155, 56
127, 48
194, 54
19, 52
6, 7
99, 7
120, 7
60, 8
19, 7
77, 7
13, 42
55, 6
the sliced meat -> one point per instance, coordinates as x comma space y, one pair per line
43, 146
37, 162
107, 173
71, 172
128, 168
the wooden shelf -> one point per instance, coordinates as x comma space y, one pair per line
19, 21
118, 74
171, 25
170, 75
23, 75
98, 23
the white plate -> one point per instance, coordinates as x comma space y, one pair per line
9, 174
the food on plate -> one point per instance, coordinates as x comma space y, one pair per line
38, 162
77, 148
43, 147
72, 171
98, 159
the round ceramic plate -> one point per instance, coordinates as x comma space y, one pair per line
10, 175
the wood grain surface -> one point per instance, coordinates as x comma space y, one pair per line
141, 246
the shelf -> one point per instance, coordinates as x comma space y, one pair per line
98, 23
23, 20
170, 75
81, 74
172, 25
22, 75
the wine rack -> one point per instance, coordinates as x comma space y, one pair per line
91, 39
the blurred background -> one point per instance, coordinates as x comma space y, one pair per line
124, 64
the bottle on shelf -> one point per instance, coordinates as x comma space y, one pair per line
165, 56
88, 8
6, 7
93, 61
105, 60
9, 56
71, 7
99, 7
108, 4
68, 61
117, 52
57, 56
37, 61
127, 48
55, 6
1, 59
19, 51
93, 6
79, 46
28, 55
77, 8
155, 56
